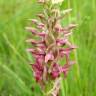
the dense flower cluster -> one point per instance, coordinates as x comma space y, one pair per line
51, 46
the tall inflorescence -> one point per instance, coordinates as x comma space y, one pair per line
52, 46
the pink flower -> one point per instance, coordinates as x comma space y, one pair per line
34, 32
61, 42
38, 71
55, 71
43, 34
64, 51
49, 56
41, 26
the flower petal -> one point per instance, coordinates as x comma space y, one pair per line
48, 57
61, 41
40, 26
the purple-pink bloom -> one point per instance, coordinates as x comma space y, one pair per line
40, 26
61, 42
49, 56
51, 46
55, 71
38, 71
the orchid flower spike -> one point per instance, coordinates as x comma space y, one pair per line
51, 46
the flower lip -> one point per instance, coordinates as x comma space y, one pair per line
61, 41
43, 34
40, 26
49, 56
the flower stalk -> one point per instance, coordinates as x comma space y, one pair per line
52, 46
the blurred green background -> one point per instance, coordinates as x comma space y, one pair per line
16, 77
